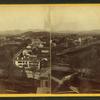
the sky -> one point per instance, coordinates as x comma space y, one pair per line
75, 18
62, 18
22, 17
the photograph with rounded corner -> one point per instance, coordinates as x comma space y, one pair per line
24, 49
75, 49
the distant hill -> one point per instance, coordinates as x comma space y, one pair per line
24, 33
32, 33
11, 32
41, 32
91, 32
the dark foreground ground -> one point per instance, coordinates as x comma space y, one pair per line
11, 86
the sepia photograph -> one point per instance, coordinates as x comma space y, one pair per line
24, 49
75, 49
49, 49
